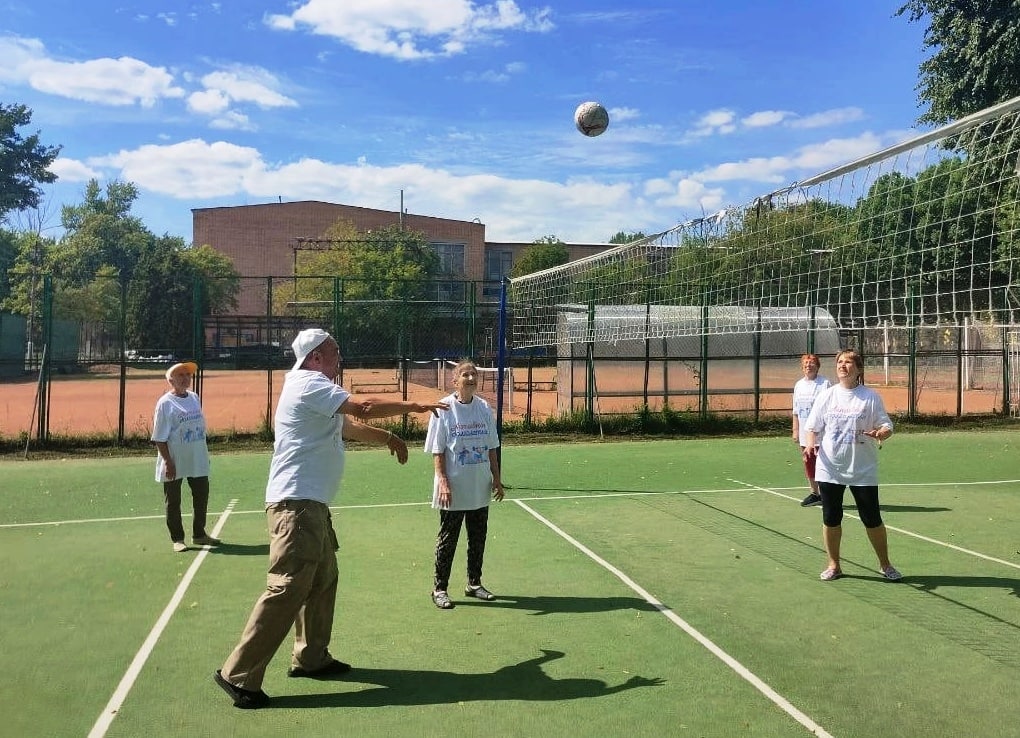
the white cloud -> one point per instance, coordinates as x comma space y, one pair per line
619, 115
411, 29
186, 170
72, 170
833, 117
232, 120
496, 76
765, 118
714, 122
236, 85
811, 159
208, 102
248, 85
513, 209
122, 81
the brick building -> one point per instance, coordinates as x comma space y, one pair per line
263, 241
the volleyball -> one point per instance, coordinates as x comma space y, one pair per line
591, 119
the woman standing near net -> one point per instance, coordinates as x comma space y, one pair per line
805, 391
464, 447
845, 430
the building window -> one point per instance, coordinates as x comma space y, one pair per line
451, 259
498, 263
451, 292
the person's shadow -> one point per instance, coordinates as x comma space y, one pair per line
544, 605
241, 549
931, 582
523, 681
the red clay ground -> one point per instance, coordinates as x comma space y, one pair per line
239, 401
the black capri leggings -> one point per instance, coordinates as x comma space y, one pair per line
866, 497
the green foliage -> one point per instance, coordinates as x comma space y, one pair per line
975, 60
770, 244
8, 255
544, 253
621, 237
99, 232
24, 161
380, 276
221, 281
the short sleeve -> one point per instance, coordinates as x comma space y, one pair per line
436, 438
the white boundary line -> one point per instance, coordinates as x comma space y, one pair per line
905, 532
128, 680
776, 698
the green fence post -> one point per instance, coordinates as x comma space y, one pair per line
589, 389
122, 318
44, 367
703, 380
197, 330
911, 355
756, 350
472, 319
648, 351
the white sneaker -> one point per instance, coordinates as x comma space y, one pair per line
180, 547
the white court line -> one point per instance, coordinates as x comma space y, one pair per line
128, 680
776, 698
126, 518
579, 495
905, 532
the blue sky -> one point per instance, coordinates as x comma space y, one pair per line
466, 107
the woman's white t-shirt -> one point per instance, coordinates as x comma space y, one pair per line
838, 418
464, 434
179, 422
805, 392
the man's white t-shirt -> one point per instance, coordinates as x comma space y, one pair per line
464, 434
308, 453
179, 422
805, 392
845, 454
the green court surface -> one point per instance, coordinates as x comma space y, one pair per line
645, 589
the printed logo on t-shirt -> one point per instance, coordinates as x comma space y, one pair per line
473, 455
466, 430
192, 434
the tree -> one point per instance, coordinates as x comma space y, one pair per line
8, 253
622, 237
221, 281
976, 55
100, 231
544, 253
24, 162
160, 303
377, 278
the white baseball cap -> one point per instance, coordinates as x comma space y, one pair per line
306, 342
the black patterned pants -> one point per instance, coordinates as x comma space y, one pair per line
477, 524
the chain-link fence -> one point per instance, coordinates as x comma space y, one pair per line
85, 364
76, 365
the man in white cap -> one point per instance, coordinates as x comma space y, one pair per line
304, 475
178, 430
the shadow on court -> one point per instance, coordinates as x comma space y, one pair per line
930, 583
241, 549
523, 681
548, 605
911, 508
601, 490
